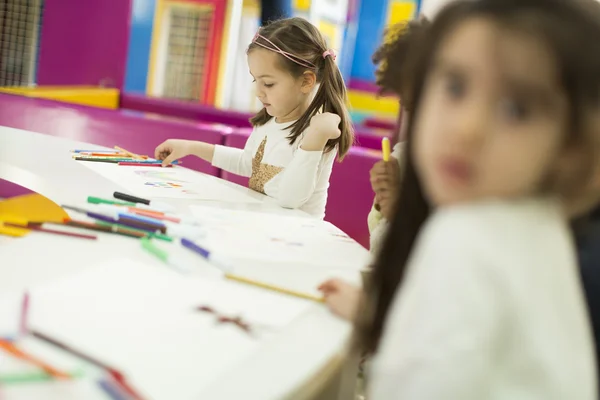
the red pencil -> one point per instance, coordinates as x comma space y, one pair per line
134, 164
38, 228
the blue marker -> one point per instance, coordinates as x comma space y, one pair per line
218, 262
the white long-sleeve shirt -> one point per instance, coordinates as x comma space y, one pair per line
294, 177
491, 308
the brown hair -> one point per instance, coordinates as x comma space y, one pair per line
567, 27
393, 59
302, 39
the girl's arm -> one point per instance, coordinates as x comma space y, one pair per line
440, 335
310, 169
236, 161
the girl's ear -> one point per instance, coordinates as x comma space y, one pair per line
309, 81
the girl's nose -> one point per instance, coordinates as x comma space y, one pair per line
471, 123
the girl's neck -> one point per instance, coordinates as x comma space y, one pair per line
297, 112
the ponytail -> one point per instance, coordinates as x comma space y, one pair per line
331, 97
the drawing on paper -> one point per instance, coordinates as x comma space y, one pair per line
163, 185
160, 175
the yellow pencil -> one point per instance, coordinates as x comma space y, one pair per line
385, 148
273, 288
122, 150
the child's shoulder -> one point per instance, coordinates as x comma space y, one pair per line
479, 224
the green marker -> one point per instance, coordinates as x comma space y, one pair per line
98, 200
164, 256
152, 249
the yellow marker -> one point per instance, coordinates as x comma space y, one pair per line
274, 288
385, 148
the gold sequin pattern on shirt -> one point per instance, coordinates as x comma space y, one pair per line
262, 173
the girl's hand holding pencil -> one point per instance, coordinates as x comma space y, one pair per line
385, 180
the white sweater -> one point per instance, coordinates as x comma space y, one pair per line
294, 177
491, 309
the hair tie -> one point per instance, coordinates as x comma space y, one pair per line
331, 53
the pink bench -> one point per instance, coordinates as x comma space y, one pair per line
350, 196
133, 131
366, 136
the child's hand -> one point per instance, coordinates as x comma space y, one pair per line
341, 297
385, 180
326, 125
173, 149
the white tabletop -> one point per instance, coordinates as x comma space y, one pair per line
43, 164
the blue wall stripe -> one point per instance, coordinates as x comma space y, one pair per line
142, 23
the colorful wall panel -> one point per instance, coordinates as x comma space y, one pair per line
372, 21
140, 37
84, 42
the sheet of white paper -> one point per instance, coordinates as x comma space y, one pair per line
250, 236
10, 313
174, 183
157, 337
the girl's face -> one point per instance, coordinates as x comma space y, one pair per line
492, 117
283, 96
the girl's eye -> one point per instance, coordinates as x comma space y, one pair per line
515, 110
269, 85
455, 86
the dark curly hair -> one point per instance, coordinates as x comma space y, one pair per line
392, 58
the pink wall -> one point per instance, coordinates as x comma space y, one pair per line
84, 42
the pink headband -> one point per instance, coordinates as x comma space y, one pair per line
289, 56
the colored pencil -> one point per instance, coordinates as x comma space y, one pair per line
385, 148
107, 155
134, 155
159, 236
104, 160
39, 228
152, 214
24, 314
12, 349
108, 228
129, 221
115, 374
128, 164
93, 151
273, 288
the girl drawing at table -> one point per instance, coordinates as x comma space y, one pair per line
303, 125
476, 292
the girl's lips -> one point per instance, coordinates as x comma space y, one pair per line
456, 170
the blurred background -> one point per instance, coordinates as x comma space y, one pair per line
136, 72
192, 50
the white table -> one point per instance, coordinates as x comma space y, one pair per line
43, 164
